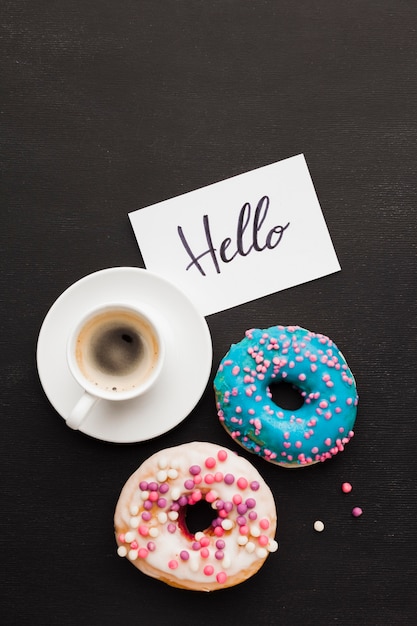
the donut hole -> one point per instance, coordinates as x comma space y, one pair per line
286, 395
199, 516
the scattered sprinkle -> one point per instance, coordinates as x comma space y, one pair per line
318, 526
346, 487
357, 511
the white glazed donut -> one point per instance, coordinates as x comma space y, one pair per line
151, 518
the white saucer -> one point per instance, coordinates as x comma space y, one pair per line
186, 369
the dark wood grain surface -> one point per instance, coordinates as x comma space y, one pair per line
110, 106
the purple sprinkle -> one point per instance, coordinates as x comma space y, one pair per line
153, 486
251, 503
189, 484
164, 488
146, 516
229, 479
228, 506
219, 505
220, 544
143, 485
195, 469
196, 545
147, 505
183, 501
175, 506
162, 502
184, 556
253, 515
171, 528
219, 554
151, 546
242, 508
254, 485
241, 520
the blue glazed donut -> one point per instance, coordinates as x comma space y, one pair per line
312, 363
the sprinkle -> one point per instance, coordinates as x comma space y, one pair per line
357, 511
346, 487
161, 476
229, 479
318, 526
142, 553
208, 570
221, 578
132, 554
184, 555
122, 551
173, 564
172, 473
222, 455
227, 524
242, 483
273, 546
195, 469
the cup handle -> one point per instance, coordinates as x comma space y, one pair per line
81, 410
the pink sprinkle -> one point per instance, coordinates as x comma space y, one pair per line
346, 487
143, 530
204, 553
210, 462
236, 370
328, 441
264, 523
242, 483
263, 540
357, 511
221, 577
208, 570
173, 564
142, 553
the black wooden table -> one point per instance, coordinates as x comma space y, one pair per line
109, 106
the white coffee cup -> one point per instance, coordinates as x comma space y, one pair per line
115, 353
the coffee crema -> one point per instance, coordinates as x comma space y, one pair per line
117, 350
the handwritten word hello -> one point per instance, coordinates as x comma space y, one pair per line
230, 248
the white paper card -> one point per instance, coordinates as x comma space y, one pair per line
239, 239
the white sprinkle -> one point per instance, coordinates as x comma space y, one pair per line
272, 546
162, 517
255, 531
144, 495
153, 532
199, 535
122, 551
134, 522
250, 547
261, 553
134, 509
133, 555
227, 524
129, 537
172, 473
173, 515
242, 540
175, 493
318, 526
161, 476
175, 463
162, 462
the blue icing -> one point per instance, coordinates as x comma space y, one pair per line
312, 362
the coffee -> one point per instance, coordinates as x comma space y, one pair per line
117, 350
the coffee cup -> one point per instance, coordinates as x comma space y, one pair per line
115, 353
